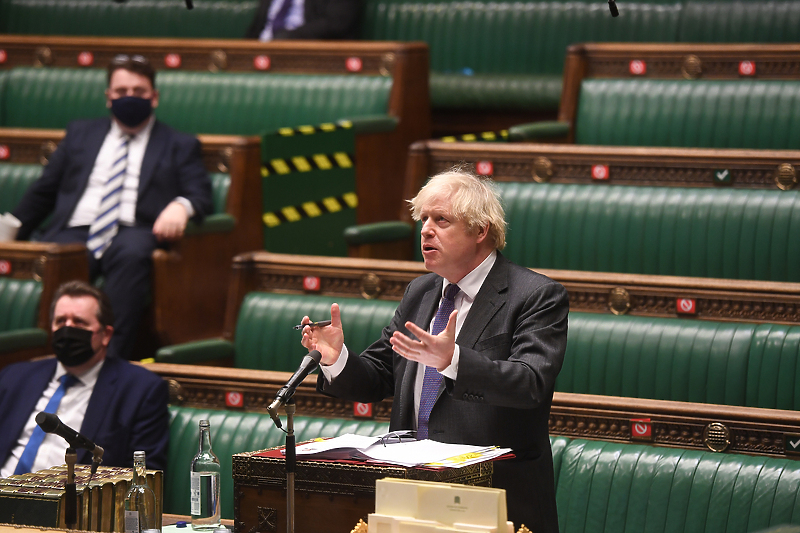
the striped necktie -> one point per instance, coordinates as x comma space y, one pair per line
433, 379
32, 448
106, 225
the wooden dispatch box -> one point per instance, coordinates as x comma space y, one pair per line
330, 496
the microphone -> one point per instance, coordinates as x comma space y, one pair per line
50, 423
612, 5
189, 4
286, 392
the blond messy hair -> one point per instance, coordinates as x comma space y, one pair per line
473, 200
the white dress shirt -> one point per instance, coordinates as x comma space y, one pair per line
89, 205
71, 412
469, 285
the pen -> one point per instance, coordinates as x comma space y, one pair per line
313, 324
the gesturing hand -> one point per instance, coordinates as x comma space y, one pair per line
328, 339
430, 350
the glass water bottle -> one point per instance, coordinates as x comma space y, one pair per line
205, 484
140, 500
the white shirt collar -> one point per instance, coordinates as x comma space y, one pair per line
143, 133
87, 378
472, 282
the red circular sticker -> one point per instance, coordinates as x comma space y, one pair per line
5, 267
234, 399
85, 59
686, 305
354, 64
747, 68
599, 172
5, 153
637, 67
3, 56
484, 168
362, 409
311, 283
172, 60
640, 428
261, 62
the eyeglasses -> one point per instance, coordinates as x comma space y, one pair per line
125, 59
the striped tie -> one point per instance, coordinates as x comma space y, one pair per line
106, 225
32, 448
433, 379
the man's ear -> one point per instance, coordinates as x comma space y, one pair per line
483, 232
108, 332
108, 98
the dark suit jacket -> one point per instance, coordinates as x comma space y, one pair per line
127, 410
172, 166
512, 347
324, 19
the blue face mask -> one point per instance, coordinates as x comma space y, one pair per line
132, 110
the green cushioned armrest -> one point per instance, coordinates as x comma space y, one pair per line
372, 123
394, 230
194, 352
20, 339
220, 223
497, 91
547, 129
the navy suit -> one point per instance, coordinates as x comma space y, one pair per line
172, 167
127, 410
512, 347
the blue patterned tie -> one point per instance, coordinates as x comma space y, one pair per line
32, 448
433, 379
106, 225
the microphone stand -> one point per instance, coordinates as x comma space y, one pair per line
291, 464
71, 497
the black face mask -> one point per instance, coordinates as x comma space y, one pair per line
131, 110
72, 346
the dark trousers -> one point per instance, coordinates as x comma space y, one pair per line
126, 268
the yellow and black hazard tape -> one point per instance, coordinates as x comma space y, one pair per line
325, 127
501, 135
294, 213
302, 163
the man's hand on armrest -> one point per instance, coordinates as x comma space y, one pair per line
171, 222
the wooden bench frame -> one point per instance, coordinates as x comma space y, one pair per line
189, 282
670, 61
674, 424
591, 292
380, 157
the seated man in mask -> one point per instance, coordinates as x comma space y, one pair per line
123, 185
117, 405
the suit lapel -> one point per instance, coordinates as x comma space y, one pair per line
152, 155
103, 391
95, 137
20, 410
490, 298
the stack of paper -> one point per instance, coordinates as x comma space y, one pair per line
393, 450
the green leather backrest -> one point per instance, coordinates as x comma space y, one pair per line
19, 303
265, 339
616, 487
235, 432
198, 102
220, 183
513, 37
683, 360
15, 180
717, 233
740, 21
699, 113
145, 18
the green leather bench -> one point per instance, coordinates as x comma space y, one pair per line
670, 231
231, 103
235, 432
264, 337
599, 485
752, 365
144, 18
604, 486
19, 310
